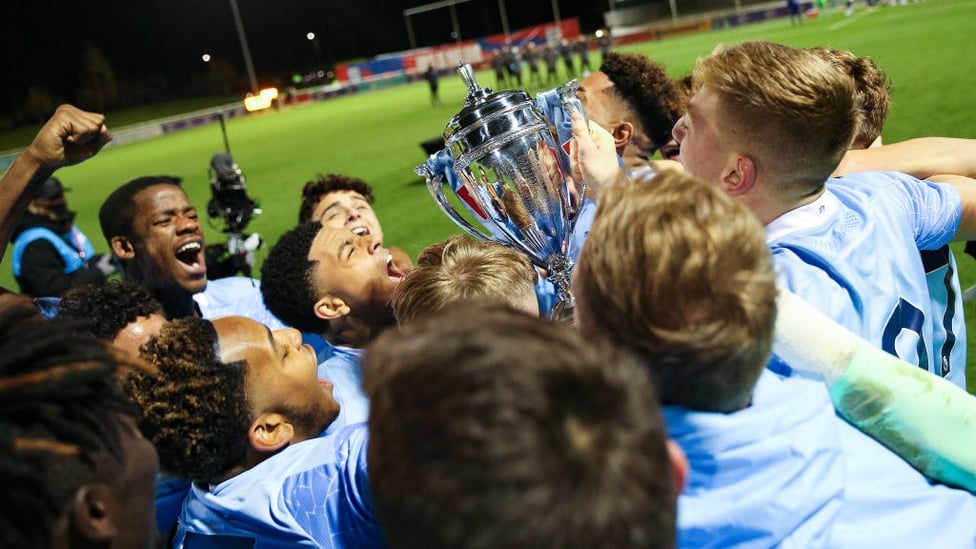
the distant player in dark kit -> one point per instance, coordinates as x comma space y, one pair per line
431, 75
551, 54
796, 17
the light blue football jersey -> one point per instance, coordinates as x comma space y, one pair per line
311, 494
236, 296
854, 254
787, 472
342, 367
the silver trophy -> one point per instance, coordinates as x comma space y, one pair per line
510, 176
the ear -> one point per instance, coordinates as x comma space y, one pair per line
90, 514
270, 432
122, 247
739, 176
331, 307
623, 134
679, 465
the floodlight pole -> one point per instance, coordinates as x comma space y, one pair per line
555, 11
556, 18
247, 52
413, 41
455, 23
504, 15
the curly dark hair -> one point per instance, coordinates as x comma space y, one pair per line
107, 308
646, 88
58, 421
286, 280
118, 211
195, 410
314, 190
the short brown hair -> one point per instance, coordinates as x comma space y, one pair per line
490, 428
872, 90
462, 268
314, 190
678, 272
789, 109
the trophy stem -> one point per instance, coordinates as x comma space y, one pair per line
560, 273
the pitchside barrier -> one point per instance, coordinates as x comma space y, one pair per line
400, 68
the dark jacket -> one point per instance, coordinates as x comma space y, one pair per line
42, 266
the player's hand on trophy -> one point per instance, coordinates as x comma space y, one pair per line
593, 155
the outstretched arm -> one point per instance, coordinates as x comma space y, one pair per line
69, 137
966, 187
921, 157
923, 418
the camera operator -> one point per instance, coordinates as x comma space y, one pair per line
50, 253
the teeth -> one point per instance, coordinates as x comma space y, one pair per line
360, 231
188, 247
389, 259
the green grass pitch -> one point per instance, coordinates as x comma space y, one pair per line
926, 48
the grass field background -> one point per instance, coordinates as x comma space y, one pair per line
927, 49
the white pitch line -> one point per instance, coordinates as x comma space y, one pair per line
850, 19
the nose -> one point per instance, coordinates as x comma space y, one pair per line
187, 224
370, 243
352, 215
374, 245
289, 336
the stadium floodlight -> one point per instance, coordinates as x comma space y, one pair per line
244, 47
260, 101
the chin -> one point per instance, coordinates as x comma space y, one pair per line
195, 286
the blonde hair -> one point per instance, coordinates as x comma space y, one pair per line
792, 111
679, 273
462, 268
872, 90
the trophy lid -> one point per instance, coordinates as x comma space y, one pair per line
482, 104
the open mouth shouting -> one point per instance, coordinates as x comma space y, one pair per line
394, 272
191, 257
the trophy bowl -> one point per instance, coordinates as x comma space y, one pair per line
503, 164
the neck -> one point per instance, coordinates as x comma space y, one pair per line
256, 457
772, 210
177, 303
357, 332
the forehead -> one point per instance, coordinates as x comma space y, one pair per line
161, 198
241, 338
596, 81
337, 197
703, 105
142, 327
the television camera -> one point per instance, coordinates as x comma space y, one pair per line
229, 202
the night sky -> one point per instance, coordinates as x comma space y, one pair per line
41, 42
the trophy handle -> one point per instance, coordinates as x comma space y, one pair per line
571, 104
435, 184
